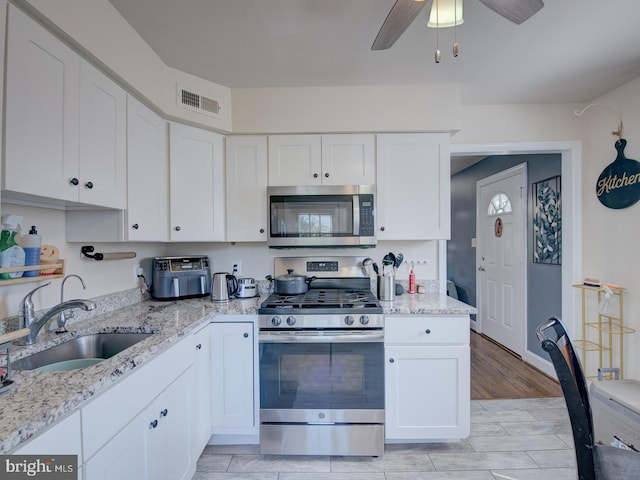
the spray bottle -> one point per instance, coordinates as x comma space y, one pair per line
11, 254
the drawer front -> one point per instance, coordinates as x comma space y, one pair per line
426, 329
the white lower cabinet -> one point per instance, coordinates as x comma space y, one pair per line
155, 444
427, 378
234, 390
202, 392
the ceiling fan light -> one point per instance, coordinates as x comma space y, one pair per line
445, 13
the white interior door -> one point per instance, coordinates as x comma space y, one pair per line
501, 256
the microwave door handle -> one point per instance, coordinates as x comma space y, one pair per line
356, 215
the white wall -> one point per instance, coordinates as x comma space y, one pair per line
399, 108
611, 236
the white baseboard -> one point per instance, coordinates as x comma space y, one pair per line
541, 364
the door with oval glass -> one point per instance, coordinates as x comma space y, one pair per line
501, 256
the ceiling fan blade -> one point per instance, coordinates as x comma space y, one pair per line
401, 15
515, 10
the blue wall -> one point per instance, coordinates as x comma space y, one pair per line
544, 281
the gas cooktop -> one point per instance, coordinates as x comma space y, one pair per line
319, 301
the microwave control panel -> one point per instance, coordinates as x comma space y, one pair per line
367, 219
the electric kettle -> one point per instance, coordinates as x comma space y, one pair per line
224, 287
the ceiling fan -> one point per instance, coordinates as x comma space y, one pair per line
404, 12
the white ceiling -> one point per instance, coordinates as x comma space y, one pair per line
570, 51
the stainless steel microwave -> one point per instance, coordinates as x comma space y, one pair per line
322, 216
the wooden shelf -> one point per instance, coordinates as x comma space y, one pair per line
57, 273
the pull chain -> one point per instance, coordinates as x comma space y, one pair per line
456, 47
437, 54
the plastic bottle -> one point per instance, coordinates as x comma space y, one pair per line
11, 254
412, 281
32, 243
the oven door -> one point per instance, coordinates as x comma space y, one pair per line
338, 373
322, 393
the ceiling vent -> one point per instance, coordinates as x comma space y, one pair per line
198, 103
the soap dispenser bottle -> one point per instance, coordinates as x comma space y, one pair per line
32, 243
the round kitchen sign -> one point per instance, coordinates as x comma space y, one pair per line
619, 183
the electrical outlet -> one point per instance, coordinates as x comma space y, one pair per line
237, 266
137, 272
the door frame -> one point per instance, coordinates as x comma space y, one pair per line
571, 171
521, 171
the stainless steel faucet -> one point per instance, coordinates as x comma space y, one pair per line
27, 319
62, 319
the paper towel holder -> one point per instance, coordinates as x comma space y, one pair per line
88, 250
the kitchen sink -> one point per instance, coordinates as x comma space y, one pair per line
79, 352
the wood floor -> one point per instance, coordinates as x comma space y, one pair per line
496, 373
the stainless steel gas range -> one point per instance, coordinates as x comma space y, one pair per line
322, 362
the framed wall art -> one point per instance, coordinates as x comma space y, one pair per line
547, 221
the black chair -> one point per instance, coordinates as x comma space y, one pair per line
595, 462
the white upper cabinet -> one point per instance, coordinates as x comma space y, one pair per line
103, 134
413, 186
147, 174
65, 121
321, 160
246, 183
196, 170
42, 112
348, 160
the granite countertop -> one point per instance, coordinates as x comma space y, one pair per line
38, 399
426, 304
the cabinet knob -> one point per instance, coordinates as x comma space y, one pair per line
153, 424
198, 346
135, 226
74, 181
315, 175
382, 229
391, 360
326, 175
89, 185
246, 335
164, 413
262, 230
427, 331
481, 269
178, 228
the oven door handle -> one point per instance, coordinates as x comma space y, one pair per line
333, 337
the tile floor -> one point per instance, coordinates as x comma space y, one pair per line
526, 439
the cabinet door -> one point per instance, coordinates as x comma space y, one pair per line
201, 400
147, 174
169, 419
348, 160
124, 456
233, 375
246, 174
42, 98
103, 150
196, 184
413, 186
295, 160
427, 392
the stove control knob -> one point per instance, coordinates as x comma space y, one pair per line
364, 319
348, 320
291, 321
276, 321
